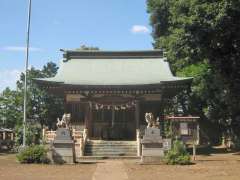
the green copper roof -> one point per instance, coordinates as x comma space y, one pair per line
110, 68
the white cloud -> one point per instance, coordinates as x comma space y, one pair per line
8, 78
139, 29
21, 48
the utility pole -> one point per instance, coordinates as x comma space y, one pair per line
26, 70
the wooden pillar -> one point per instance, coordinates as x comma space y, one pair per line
137, 120
194, 151
4, 135
195, 140
88, 117
86, 112
138, 139
113, 116
137, 114
12, 136
43, 133
65, 104
198, 135
160, 114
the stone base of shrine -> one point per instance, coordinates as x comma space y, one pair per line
63, 153
153, 146
63, 147
152, 155
151, 160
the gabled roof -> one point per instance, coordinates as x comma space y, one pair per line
103, 68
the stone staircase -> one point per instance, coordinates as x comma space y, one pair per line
110, 148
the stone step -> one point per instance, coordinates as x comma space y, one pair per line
110, 143
104, 143
115, 141
110, 151
124, 150
111, 148
114, 145
95, 159
110, 154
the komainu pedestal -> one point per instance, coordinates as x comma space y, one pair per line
63, 147
154, 146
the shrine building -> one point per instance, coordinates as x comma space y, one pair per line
107, 93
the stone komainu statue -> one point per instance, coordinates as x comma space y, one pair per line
150, 120
64, 122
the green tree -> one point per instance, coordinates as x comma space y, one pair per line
10, 108
201, 38
42, 107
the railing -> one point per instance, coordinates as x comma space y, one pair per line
48, 136
80, 138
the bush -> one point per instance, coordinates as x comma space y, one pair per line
178, 154
33, 154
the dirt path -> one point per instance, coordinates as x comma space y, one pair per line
110, 170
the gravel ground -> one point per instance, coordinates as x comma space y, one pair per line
221, 166
12, 170
212, 167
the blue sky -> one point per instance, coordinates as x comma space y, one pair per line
68, 24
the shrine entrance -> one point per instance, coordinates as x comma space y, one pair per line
116, 122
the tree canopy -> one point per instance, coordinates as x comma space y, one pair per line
202, 39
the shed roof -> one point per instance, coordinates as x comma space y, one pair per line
5, 130
114, 68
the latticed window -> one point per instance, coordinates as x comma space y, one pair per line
76, 111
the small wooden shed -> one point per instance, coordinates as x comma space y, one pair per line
6, 138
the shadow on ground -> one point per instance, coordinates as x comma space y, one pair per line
210, 150
5, 152
90, 162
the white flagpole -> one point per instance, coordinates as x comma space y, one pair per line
26, 69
